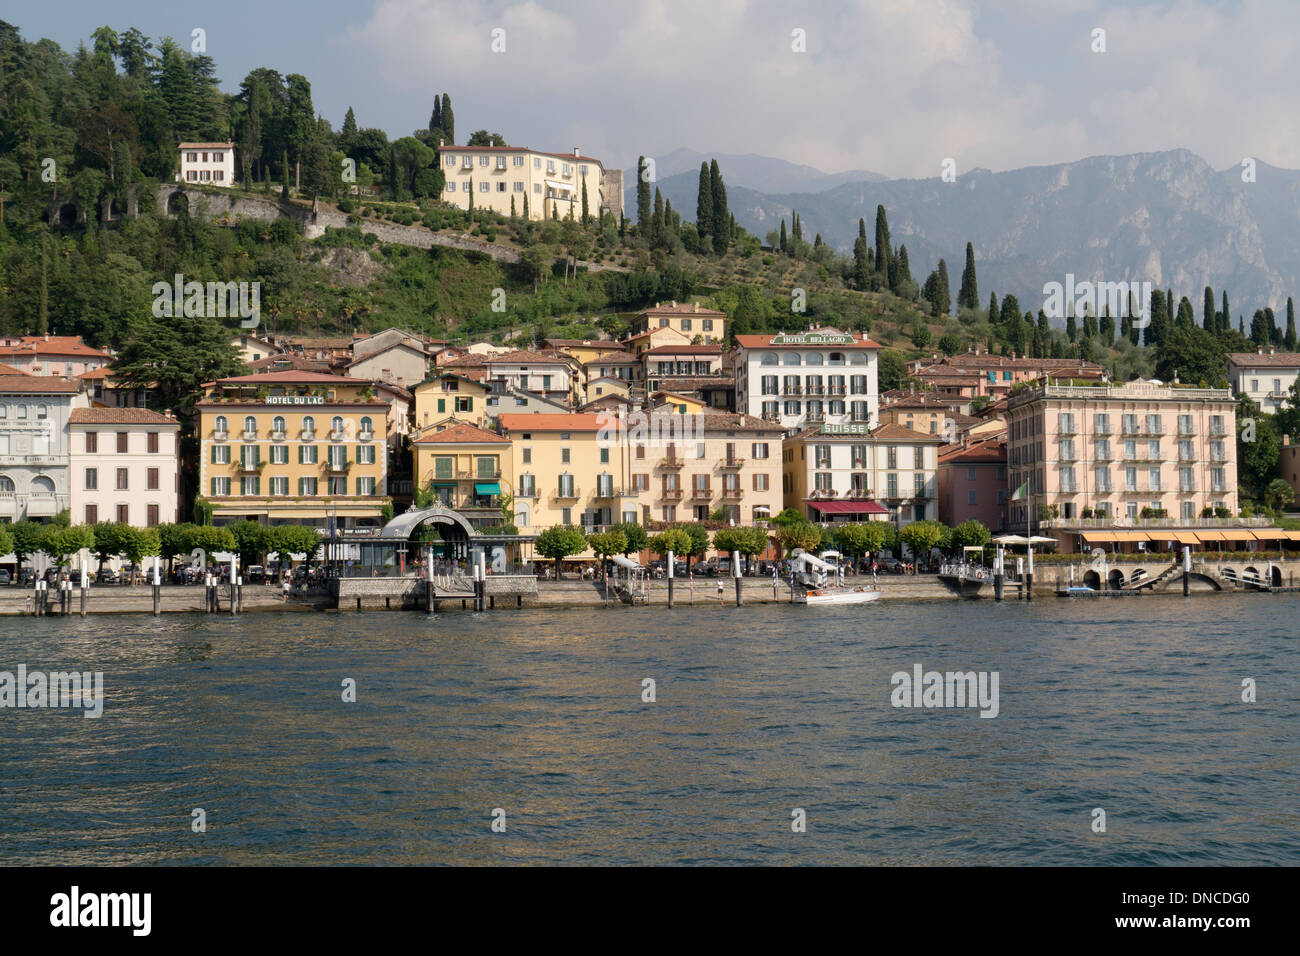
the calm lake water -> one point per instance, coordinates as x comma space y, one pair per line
1133, 706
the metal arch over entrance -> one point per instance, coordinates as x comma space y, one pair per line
404, 525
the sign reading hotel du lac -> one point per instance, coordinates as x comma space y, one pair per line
296, 400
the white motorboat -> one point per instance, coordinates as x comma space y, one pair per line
837, 595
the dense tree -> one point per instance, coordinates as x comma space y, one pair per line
448, 119
1289, 340
969, 297
558, 543
721, 219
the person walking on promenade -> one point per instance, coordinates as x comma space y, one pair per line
719, 590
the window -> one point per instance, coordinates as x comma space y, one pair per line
92, 514
564, 456
519, 185
365, 454
122, 442
220, 487
466, 187
604, 456
1153, 478
485, 186
250, 425
92, 479
451, 187
123, 514
42, 411
517, 160
760, 482
220, 454
122, 479
971, 497
277, 426
151, 443
22, 411
307, 455
484, 161
280, 455
366, 486
151, 516
527, 455
280, 486
338, 486
1103, 479
151, 479
443, 467
306, 486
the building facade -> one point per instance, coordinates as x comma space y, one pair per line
1265, 377
853, 473
696, 324
209, 163
502, 177
294, 448
124, 466
973, 483
467, 469
705, 465
1123, 452
808, 378
66, 356
34, 414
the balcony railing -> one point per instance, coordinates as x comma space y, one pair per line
730, 463
478, 475
670, 494
610, 492
701, 492
836, 390
792, 389
569, 495
277, 436
672, 462
732, 493
1120, 521
220, 436
307, 435
528, 492
247, 435
816, 390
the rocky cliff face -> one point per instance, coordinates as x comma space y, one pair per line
1167, 218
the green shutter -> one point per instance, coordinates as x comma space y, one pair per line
214, 487
442, 405
469, 404
214, 454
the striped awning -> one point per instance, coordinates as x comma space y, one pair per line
1184, 537
1238, 535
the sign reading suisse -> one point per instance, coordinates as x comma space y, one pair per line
853, 428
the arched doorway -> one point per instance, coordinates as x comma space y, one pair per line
1116, 579
1276, 577
1092, 579
68, 215
178, 203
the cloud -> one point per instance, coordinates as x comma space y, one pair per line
891, 85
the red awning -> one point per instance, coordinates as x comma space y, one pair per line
848, 507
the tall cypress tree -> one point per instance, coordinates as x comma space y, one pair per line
883, 249
657, 220
1071, 329
586, 216
721, 217
944, 296
1107, 327
861, 278
1290, 341
994, 316
862, 229
784, 244
448, 120
1207, 311
969, 296
643, 207
435, 118
704, 204
1186, 318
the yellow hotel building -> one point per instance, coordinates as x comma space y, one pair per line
294, 447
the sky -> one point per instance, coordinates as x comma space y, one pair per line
890, 86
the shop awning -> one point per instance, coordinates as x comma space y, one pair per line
848, 507
1100, 536
1293, 535
1185, 537
1210, 535
1270, 534
1237, 535
566, 187
487, 488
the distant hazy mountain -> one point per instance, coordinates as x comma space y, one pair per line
763, 173
1167, 218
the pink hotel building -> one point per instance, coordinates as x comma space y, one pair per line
1122, 448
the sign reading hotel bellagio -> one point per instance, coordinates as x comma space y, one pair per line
813, 338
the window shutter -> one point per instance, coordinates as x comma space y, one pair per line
469, 404
214, 454
442, 405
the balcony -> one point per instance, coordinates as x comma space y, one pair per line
255, 465
732, 494
672, 463
816, 390
670, 494
365, 436
1132, 428
1067, 454
277, 436
1103, 454
338, 436
493, 475
1217, 431
610, 492
836, 390
858, 494
248, 435
701, 494
529, 492
1066, 430
730, 464
220, 436
334, 464
32, 460
792, 390
307, 435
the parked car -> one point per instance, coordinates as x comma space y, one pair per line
106, 576
25, 576
5, 577
255, 574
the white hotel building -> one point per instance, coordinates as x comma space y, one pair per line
552, 182
808, 378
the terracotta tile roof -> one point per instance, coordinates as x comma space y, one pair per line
208, 145
765, 341
583, 343
120, 416
289, 360
992, 451
33, 384
690, 383
626, 358
684, 350
681, 308
10, 370
289, 376
519, 149
1267, 360
552, 423
526, 357
476, 359
36, 345
461, 433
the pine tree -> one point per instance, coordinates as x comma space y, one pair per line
969, 297
435, 118
883, 249
1289, 341
448, 120
348, 135
704, 204
1274, 333
1186, 318
643, 202
721, 218
1207, 311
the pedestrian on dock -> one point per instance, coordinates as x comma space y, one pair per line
719, 590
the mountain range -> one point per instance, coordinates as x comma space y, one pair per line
1167, 218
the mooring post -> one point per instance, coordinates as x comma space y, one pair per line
85, 589
735, 573
997, 574
157, 587
1029, 574
1187, 570
670, 579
